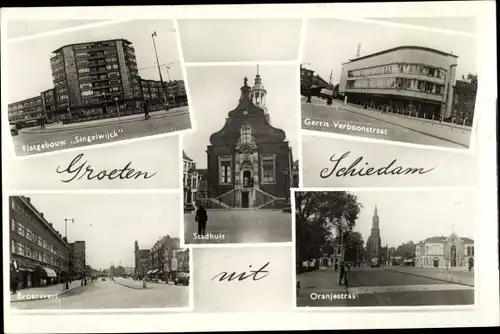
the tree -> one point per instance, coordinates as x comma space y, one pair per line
318, 221
405, 250
470, 78
353, 245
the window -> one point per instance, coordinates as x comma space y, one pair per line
13, 223
83, 70
13, 246
29, 235
225, 164
44, 244
44, 258
29, 252
20, 249
268, 169
20, 230
246, 134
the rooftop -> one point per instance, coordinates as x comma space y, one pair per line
185, 157
93, 42
413, 47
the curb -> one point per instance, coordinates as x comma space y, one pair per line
58, 295
437, 279
104, 124
406, 127
131, 287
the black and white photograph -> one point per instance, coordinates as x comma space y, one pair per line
94, 85
240, 40
411, 85
385, 248
94, 251
240, 165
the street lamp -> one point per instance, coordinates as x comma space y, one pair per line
117, 107
66, 220
153, 35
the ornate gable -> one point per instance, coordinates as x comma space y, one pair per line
246, 113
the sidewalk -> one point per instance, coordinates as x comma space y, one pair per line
456, 134
322, 280
46, 292
57, 127
453, 275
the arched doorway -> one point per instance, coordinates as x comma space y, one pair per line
436, 262
453, 256
247, 178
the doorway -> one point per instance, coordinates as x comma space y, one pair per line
244, 199
436, 262
453, 253
247, 179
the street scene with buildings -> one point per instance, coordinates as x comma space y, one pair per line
415, 87
241, 193
96, 85
384, 248
66, 257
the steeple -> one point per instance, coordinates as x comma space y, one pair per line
375, 219
259, 93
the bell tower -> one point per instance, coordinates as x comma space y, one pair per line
259, 94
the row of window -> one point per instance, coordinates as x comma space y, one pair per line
397, 83
94, 45
26, 251
31, 236
399, 68
226, 167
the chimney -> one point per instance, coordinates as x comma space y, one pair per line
358, 52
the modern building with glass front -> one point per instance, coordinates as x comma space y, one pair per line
405, 79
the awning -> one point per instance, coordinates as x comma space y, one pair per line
25, 269
149, 271
155, 271
50, 272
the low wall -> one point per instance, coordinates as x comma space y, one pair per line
458, 277
451, 132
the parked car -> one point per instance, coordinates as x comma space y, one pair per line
103, 279
182, 278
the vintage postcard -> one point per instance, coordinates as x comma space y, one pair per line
94, 85
385, 248
410, 86
65, 252
239, 167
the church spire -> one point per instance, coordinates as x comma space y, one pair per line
375, 219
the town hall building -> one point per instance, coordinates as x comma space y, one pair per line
249, 162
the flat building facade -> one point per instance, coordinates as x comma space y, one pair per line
405, 79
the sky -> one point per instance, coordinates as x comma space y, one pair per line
417, 215
110, 223
29, 71
329, 43
215, 91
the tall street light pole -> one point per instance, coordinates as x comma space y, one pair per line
66, 220
153, 35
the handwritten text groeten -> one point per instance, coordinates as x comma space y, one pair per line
357, 169
77, 170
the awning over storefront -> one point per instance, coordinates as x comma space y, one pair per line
50, 272
25, 269
155, 271
149, 271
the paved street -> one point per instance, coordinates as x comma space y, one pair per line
316, 115
110, 295
241, 226
99, 132
379, 287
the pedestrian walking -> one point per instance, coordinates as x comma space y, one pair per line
343, 274
146, 110
201, 218
42, 123
14, 285
336, 265
309, 95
